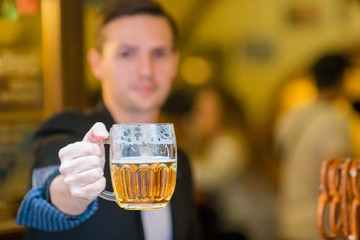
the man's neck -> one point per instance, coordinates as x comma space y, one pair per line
121, 115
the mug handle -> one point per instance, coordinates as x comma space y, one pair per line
106, 194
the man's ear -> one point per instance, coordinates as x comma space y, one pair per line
94, 59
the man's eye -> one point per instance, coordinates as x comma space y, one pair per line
160, 53
125, 54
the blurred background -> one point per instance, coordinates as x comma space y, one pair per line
249, 58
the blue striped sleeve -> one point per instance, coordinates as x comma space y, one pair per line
36, 212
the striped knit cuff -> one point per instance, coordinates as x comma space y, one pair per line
36, 212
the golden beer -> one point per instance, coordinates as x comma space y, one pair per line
145, 182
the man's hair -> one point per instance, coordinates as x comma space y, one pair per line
123, 8
329, 70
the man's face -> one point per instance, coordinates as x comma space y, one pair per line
137, 63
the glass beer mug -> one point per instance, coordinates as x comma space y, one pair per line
143, 165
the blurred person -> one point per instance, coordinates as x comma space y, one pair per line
304, 137
218, 145
135, 58
352, 106
175, 108
354, 112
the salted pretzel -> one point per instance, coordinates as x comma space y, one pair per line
355, 205
334, 181
324, 200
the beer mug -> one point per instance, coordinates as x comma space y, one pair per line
143, 165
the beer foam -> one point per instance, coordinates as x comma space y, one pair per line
144, 134
143, 159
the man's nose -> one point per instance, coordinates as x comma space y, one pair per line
146, 65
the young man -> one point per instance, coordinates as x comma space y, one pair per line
136, 60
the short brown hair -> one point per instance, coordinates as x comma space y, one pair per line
121, 8
329, 70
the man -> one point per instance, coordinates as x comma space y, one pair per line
305, 137
136, 60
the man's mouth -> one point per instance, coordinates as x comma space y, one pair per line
144, 90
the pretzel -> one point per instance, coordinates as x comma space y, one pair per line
334, 177
345, 197
340, 194
324, 200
